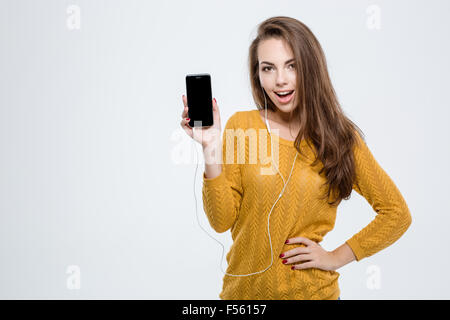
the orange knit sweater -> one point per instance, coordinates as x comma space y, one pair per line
241, 198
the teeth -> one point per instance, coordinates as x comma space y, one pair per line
284, 93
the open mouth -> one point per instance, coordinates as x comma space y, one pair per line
284, 95
285, 98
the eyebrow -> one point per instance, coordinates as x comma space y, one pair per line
270, 63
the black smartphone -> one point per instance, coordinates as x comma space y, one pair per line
199, 100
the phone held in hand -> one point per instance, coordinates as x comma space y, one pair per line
199, 100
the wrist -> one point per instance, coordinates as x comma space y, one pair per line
211, 144
212, 153
342, 256
336, 262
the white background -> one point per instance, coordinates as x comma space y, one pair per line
90, 140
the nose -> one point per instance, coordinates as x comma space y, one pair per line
281, 78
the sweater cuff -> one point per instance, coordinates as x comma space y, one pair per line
357, 251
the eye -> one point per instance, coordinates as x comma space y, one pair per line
291, 65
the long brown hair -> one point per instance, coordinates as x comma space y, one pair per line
321, 118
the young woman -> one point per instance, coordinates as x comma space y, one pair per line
277, 224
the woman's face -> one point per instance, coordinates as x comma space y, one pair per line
277, 72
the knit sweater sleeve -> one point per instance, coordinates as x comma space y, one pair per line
222, 195
393, 216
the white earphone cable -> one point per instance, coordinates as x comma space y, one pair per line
268, 218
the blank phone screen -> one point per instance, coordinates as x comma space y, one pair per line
199, 99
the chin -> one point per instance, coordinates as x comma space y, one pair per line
286, 108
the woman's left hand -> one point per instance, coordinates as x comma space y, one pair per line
316, 256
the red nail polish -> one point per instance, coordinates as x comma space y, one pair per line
188, 119
292, 268
215, 100
281, 255
287, 241
284, 261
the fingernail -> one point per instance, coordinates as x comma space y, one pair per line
215, 100
284, 261
187, 119
287, 241
292, 268
281, 255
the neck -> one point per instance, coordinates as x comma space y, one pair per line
283, 118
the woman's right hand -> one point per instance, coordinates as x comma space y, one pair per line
203, 135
